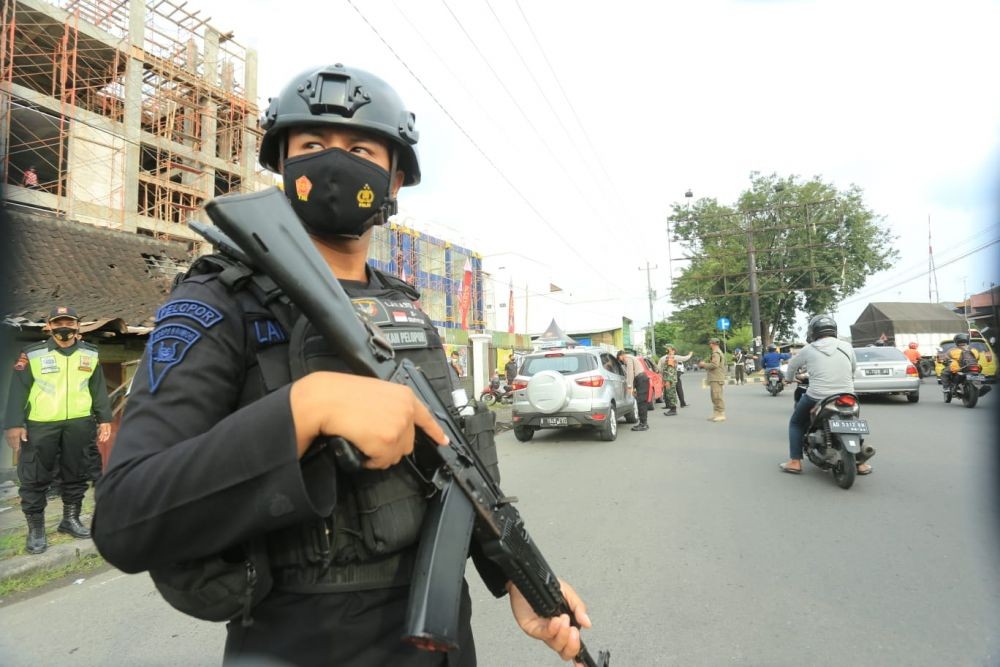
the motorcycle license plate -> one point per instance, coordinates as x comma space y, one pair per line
878, 371
848, 426
555, 421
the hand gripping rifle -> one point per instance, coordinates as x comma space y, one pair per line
266, 234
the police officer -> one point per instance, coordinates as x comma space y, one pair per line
56, 390
215, 447
716, 367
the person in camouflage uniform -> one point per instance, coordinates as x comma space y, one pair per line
668, 369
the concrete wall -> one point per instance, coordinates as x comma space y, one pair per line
95, 167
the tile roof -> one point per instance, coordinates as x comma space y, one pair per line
103, 273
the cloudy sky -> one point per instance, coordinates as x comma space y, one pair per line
556, 134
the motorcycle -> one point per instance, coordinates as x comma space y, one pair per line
774, 381
834, 440
967, 384
494, 394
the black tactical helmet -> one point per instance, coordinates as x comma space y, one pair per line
348, 97
961, 339
821, 326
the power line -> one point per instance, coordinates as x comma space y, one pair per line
479, 149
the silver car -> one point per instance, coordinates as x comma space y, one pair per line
582, 387
884, 370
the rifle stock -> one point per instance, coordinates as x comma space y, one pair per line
267, 231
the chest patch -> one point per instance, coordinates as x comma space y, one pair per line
268, 332
406, 339
201, 313
48, 364
167, 347
388, 311
86, 363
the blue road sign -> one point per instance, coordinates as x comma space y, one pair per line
722, 324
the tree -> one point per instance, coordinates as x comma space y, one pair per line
815, 245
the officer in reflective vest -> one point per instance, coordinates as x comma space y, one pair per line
215, 448
55, 392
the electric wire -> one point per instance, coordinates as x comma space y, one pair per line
503, 176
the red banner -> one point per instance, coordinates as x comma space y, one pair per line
465, 300
510, 309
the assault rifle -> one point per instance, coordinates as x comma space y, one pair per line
264, 232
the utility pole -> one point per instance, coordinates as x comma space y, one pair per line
652, 296
754, 294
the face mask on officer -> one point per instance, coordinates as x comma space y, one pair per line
64, 333
335, 193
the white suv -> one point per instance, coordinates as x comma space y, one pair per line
572, 387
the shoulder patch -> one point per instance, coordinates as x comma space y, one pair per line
21, 363
167, 346
267, 332
200, 312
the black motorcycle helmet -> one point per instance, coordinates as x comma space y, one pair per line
347, 97
821, 326
961, 339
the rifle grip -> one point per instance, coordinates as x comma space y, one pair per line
348, 457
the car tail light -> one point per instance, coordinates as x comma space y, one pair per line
975, 369
847, 401
598, 417
554, 354
911, 370
516, 418
519, 384
591, 381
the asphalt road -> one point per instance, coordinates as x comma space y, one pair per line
690, 547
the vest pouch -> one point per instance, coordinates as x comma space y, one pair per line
391, 505
480, 428
219, 588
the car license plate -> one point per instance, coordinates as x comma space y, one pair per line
878, 371
555, 421
848, 426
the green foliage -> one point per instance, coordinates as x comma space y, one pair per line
814, 244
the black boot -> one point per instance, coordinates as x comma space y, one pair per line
36, 542
71, 522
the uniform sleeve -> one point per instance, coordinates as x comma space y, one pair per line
21, 381
191, 474
99, 396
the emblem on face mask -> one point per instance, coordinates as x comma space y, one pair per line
302, 188
365, 197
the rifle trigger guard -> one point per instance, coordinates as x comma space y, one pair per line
440, 478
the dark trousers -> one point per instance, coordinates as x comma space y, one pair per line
641, 386
680, 391
798, 424
357, 629
739, 373
66, 443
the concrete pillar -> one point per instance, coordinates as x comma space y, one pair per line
133, 111
209, 115
480, 360
248, 159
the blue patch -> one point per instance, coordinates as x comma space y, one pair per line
200, 312
268, 332
167, 347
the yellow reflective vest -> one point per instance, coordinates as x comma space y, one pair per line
61, 387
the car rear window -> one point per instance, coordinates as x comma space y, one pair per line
567, 364
878, 354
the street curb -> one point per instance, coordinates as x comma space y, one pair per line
56, 556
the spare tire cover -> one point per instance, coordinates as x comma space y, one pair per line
547, 391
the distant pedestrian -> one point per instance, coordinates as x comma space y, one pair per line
510, 370
637, 383
30, 178
456, 364
56, 391
668, 370
682, 360
716, 367
738, 360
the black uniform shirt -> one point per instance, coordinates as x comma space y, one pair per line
193, 473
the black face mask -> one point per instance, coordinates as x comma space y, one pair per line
335, 193
64, 333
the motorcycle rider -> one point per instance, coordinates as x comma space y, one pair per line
831, 365
912, 355
957, 358
772, 358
